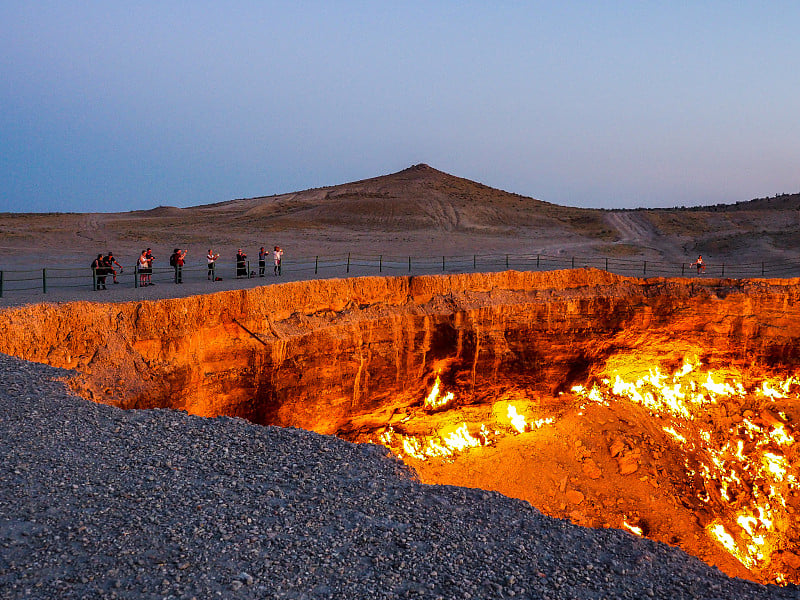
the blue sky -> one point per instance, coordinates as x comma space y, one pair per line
108, 106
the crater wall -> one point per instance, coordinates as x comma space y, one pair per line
318, 354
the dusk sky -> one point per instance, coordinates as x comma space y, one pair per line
111, 106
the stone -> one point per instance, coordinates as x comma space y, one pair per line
591, 470
616, 448
627, 464
575, 497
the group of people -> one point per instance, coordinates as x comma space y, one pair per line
102, 267
263, 255
145, 267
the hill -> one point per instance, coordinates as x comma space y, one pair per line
418, 211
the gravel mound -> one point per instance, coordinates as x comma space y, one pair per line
96, 502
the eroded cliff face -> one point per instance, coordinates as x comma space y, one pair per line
359, 357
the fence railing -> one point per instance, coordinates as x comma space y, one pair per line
309, 267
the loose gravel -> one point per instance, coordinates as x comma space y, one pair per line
96, 502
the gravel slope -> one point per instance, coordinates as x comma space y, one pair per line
96, 502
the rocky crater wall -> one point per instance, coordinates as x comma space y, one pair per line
331, 355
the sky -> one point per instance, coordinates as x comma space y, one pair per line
111, 106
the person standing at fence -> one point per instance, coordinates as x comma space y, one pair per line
111, 262
277, 254
241, 265
177, 260
262, 261
149, 269
99, 269
701, 266
211, 258
143, 265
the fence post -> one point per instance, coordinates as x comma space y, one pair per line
762, 272
136, 275
537, 261
506, 261
443, 264
723, 269
94, 279
474, 262
573, 262
44, 281
380, 263
1, 283
606, 263
348, 262
409, 264
683, 265
248, 269
644, 272
316, 264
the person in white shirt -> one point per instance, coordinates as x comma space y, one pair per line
212, 264
277, 254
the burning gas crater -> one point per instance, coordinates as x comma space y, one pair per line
666, 407
723, 449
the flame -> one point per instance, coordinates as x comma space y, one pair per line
433, 400
745, 475
517, 420
633, 528
718, 531
675, 434
777, 465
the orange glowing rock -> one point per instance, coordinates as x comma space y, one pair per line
617, 446
591, 470
575, 497
627, 464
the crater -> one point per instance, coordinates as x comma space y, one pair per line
667, 407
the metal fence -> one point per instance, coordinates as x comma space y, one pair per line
42, 280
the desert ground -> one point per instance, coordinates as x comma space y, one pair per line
419, 211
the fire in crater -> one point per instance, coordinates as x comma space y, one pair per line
728, 451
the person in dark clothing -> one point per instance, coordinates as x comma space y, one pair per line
262, 261
99, 268
149, 270
111, 261
241, 264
